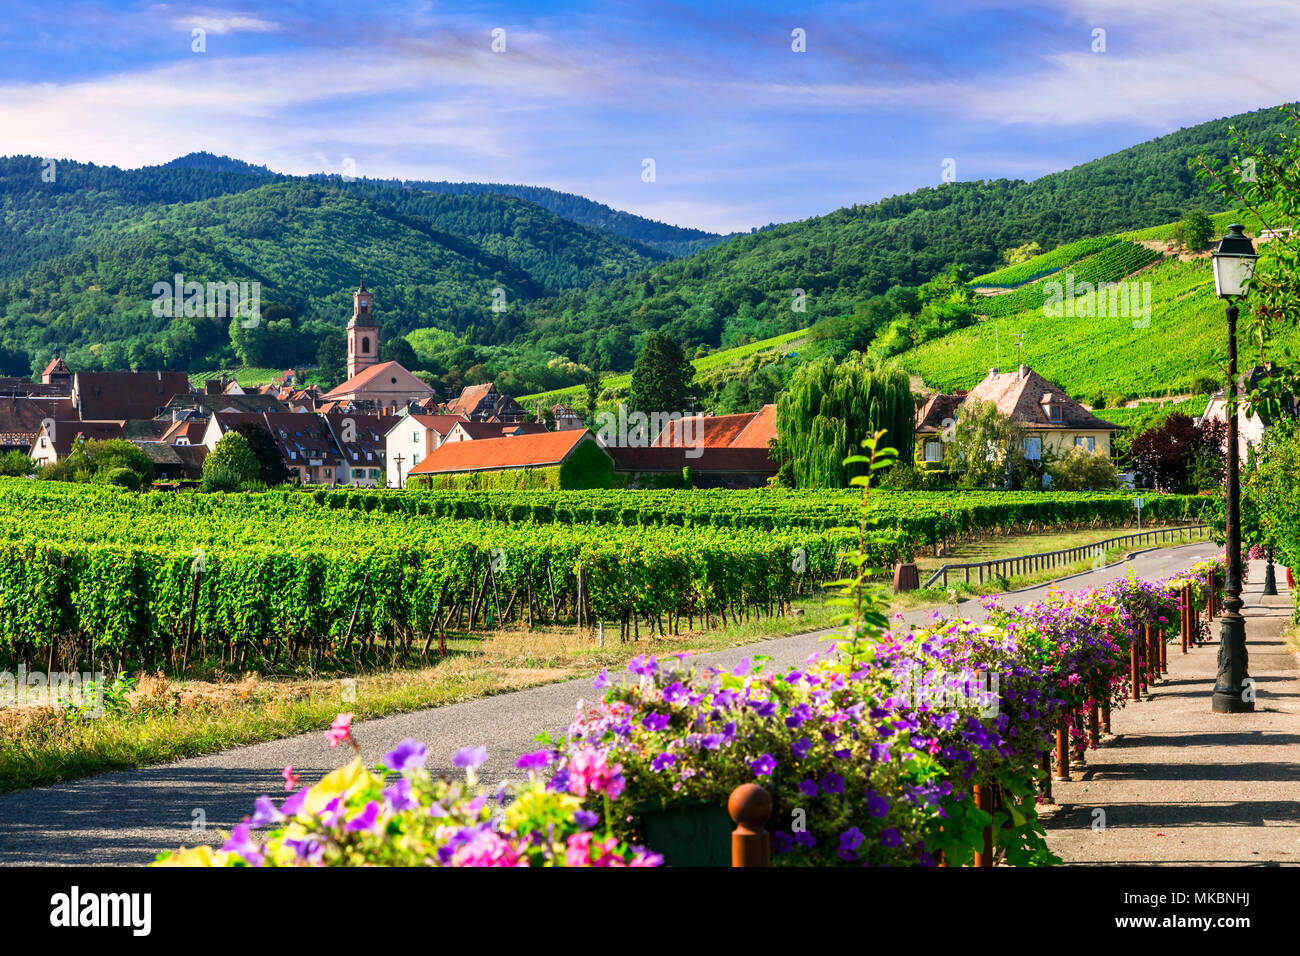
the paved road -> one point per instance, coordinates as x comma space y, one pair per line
126, 817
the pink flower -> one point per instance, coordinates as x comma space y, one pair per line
340, 731
487, 849
589, 770
290, 778
584, 850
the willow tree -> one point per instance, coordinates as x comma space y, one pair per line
829, 407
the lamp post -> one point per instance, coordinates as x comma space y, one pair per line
1234, 264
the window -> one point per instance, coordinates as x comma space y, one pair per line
365, 345
1088, 442
1033, 448
1053, 412
415, 438
934, 451
415, 460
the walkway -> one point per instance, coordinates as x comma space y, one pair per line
1179, 784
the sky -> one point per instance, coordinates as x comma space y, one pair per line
714, 115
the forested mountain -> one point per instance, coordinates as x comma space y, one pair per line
745, 288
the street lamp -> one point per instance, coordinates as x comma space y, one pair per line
1234, 264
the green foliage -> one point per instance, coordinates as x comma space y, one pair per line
989, 448
231, 464
661, 378
1018, 254
271, 467
15, 464
588, 467
828, 403
1197, 230
1082, 470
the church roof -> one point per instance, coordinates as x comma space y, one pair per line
378, 377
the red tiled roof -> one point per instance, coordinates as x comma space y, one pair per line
370, 376
65, 433
111, 395
760, 430
495, 454
439, 423
481, 430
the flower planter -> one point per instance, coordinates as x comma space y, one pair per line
689, 833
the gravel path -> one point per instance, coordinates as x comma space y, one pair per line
127, 817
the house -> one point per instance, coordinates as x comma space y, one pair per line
360, 441
746, 430
58, 374
483, 403
56, 438
204, 405
1053, 421
105, 396
661, 466
411, 439
175, 462
477, 431
1251, 425
373, 385
566, 419
21, 418
570, 459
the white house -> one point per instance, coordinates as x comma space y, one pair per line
410, 441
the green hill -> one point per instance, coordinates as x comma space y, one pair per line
746, 286
1097, 358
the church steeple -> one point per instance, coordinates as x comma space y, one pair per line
363, 332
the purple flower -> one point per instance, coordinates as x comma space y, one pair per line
764, 708
805, 838
763, 766
798, 715
399, 796
800, 748
877, 805
850, 840
366, 820
470, 757
656, 722
808, 788
711, 741
241, 842
781, 842
644, 665
833, 783
662, 762
890, 838
308, 849
538, 760
264, 812
292, 805
408, 755
602, 679
585, 819
674, 692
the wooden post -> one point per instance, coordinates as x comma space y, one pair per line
189, 631
1094, 725
1045, 765
750, 807
1185, 614
1135, 680
984, 801
1063, 748
1105, 713
1164, 651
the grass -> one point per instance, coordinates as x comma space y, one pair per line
164, 720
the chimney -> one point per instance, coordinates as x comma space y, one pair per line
993, 370
1024, 372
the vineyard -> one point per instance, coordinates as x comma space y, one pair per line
1041, 265
92, 575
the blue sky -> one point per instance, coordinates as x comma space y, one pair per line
742, 129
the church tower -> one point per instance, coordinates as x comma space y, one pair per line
363, 333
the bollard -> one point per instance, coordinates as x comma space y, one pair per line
1105, 713
1164, 653
1045, 765
984, 801
1094, 725
1149, 654
1063, 748
750, 807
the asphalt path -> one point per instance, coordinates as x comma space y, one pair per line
127, 817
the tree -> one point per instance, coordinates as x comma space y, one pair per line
991, 448
830, 406
592, 386
1176, 455
271, 467
661, 377
331, 356
1018, 254
1197, 230
1082, 470
400, 351
231, 464
95, 459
